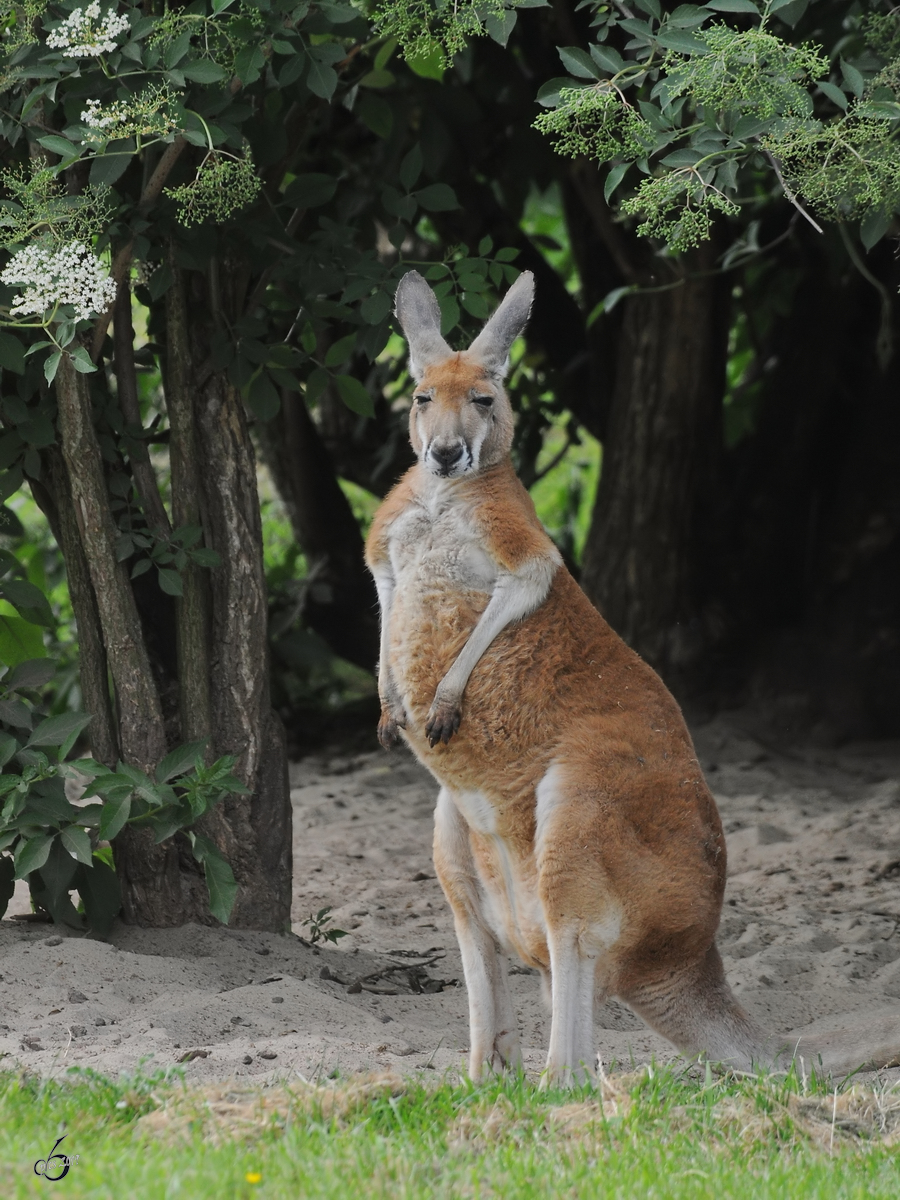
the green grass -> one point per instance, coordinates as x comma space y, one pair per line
653, 1134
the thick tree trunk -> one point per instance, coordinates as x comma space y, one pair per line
340, 602
253, 832
654, 515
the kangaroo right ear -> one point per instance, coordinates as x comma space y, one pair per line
419, 313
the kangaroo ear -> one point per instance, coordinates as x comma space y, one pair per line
492, 345
419, 313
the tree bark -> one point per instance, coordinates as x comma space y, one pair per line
148, 873
340, 602
654, 513
254, 834
192, 607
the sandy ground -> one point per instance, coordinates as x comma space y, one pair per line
811, 928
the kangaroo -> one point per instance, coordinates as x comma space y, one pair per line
573, 826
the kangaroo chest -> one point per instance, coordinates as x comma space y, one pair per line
435, 548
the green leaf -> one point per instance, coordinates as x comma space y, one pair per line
680, 40
32, 673
219, 878
8, 747
58, 871
116, 812
340, 351
852, 78
32, 854
204, 70
99, 890
107, 168
77, 842
411, 167
59, 730
500, 25
437, 197
81, 361
50, 365
170, 581
578, 61
613, 179
310, 190
354, 395
449, 313
737, 6
375, 308
790, 12
28, 600
12, 353
60, 145
428, 66
834, 94
262, 397
180, 760
321, 79
608, 58
873, 228
378, 79
19, 639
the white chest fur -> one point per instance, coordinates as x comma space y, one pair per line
433, 545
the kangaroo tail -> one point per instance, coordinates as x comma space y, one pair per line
695, 1009
867, 1040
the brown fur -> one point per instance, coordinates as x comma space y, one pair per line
626, 874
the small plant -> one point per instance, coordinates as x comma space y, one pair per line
317, 931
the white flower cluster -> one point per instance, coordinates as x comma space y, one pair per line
79, 37
70, 275
99, 118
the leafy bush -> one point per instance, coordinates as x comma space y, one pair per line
60, 846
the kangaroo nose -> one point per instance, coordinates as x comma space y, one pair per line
446, 456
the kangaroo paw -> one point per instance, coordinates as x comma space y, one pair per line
389, 728
443, 721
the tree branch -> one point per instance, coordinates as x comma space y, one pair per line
142, 734
126, 380
122, 261
191, 608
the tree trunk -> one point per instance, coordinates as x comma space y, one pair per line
253, 832
654, 515
340, 602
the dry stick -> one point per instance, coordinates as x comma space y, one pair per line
142, 734
122, 261
126, 380
191, 608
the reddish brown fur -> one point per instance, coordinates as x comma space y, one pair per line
626, 873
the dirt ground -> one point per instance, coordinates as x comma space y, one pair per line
811, 928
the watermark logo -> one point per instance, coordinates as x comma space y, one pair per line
57, 1165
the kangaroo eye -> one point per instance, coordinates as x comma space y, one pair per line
483, 401
422, 399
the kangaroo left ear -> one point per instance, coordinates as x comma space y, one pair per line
491, 347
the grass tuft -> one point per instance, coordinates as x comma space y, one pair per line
649, 1133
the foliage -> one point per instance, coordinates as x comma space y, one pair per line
320, 929
55, 844
714, 110
431, 32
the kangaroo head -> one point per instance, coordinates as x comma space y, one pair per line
461, 421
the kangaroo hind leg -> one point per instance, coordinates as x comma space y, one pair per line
493, 1028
